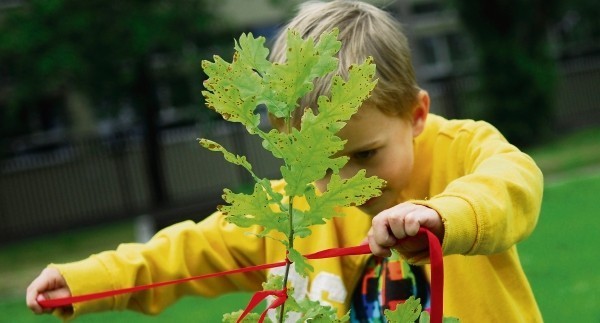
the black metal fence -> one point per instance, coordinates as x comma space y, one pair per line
85, 181
93, 180
577, 97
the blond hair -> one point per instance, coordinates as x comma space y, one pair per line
364, 31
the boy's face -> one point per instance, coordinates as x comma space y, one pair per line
383, 146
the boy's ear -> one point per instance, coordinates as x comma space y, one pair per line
420, 112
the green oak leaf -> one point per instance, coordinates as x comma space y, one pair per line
307, 157
340, 192
253, 53
234, 159
410, 311
324, 319
307, 152
407, 312
313, 311
352, 191
300, 228
231, 90
274, 282
310, 311
425, 318
346, 97
300, 262
245, 210
234, 316
289, 81
235, 89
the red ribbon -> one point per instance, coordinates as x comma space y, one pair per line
281, 297
437, 280
437, 276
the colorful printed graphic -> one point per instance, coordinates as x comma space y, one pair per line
387, 282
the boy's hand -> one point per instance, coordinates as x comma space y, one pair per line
49, 284
400, 222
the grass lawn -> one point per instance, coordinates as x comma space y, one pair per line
189, 309
569, 153
21, 262
560, 258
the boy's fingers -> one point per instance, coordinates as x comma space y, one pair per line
36, 287
412, 245
48, 285
396, 226
33, 304
402, 222
33, 300
380, 232
375, 247
378, 250
54, 294
412, 223
396, 219
57, 293
40, 298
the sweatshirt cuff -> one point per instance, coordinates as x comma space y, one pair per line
460, 223
86, 277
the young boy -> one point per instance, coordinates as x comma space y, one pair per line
461, 179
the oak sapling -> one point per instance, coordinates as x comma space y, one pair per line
235, 90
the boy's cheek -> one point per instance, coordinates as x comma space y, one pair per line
322, 184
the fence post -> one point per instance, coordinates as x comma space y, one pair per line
146, 97
145, 228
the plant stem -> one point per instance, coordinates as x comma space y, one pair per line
288, 264
290, 237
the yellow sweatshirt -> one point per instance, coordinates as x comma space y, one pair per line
487, 192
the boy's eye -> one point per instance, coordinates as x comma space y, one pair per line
365, 154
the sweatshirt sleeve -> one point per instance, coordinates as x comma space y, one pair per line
490, 192
182, 250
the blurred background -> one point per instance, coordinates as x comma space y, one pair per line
101, 108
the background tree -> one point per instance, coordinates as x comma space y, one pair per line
91, 56
578, 32
516, 69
